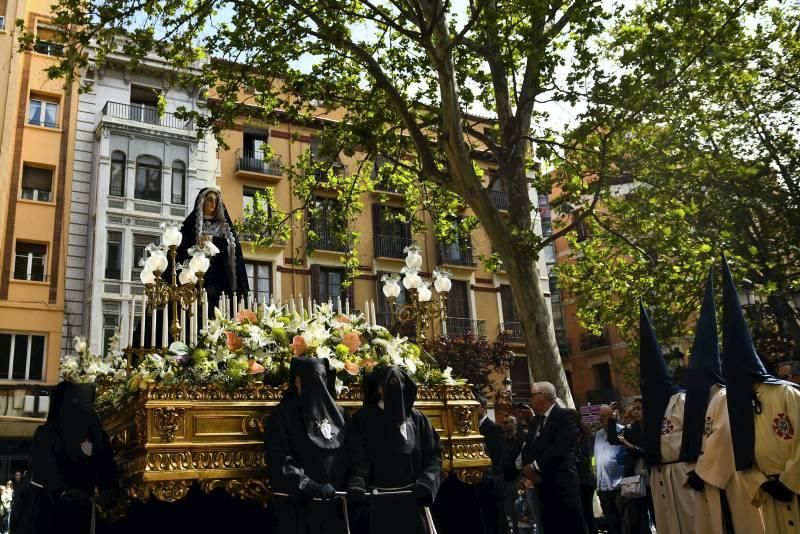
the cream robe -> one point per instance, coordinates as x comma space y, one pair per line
716, 466
777, 452
672, 500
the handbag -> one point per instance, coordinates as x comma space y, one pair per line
635, 486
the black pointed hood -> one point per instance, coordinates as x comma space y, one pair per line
704, 371
743, 369
322, 419
399, 394
656, 386
73, 415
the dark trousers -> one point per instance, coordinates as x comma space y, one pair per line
611, 503
636, 516
587, 502
561, 505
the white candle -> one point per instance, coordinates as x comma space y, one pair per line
183, 325
141, 324
165, 328
193, 324
366, 312
372, 309
291, 304
310, 306
131, 320
347, 307
302, 311
339, 305
153, 328
204, 320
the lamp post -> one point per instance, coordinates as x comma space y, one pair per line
420, 308
182, 289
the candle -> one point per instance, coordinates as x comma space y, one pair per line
339, 305
131, 320
205, 310
193, 324
347, 306
291, 304
183, 325
302, 313
165, 328
366, 312
310, 306
372, 309
153, 328
141, 324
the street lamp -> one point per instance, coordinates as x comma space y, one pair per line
421, 307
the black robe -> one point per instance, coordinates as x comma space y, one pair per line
375, 461
291, 458
39, 504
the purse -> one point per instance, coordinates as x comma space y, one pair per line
635, 486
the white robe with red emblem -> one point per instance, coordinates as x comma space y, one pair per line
777, 452
672, 500
716, 466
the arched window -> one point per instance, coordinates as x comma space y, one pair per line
116, 187
148, 178
178, 182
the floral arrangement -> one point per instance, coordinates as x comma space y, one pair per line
255, 346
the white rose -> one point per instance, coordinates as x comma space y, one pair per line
80, 346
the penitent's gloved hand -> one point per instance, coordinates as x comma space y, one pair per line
777, 490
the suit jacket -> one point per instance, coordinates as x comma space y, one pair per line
494, 441
554, 449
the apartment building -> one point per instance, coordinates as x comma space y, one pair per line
134, 168
36, 158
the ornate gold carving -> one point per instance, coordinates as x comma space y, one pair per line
255, 392
462, 416
171, 490
468, 451
169, 461
253, 425
167, 421
468, 475
248, 488
459, 393
140, 420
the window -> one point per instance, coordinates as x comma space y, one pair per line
459, 252
391, 234
254, 142
260, 277
178, 182
37, 183
510, 314
248, 197
114, 256
29, 263
330, 285
520, 378
148, 179
43, 113
21, 357
110, 321
116, 186
326, 223
140, 242
457, 300
144, 104
602, 373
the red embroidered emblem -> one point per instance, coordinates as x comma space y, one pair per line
709, 427
782, 426
666, 427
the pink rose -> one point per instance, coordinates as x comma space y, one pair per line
351, 368
343, 319
351, 341
298, 345
234, 342
248, 316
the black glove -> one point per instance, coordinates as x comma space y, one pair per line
695, 482
356, 494
777, 490
318, 491
74, 496
422, 493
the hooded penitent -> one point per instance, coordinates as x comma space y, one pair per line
322, 419
743, 369
227, 271
399, 394
656, 386
72, 413
704, 371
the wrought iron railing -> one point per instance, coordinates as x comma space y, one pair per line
512, 332
146, 114
253, 161
590, 341
499, 199
459, 326
325, 237
390, 246
455, 254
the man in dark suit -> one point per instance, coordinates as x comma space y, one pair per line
548, 460
492, 485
